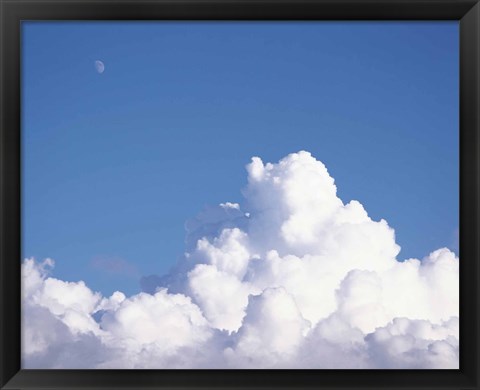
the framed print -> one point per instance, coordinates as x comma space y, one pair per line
240, 194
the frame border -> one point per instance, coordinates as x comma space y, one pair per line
12, 12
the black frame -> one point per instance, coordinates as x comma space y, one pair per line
12, 12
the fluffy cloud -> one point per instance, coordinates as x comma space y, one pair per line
292, 278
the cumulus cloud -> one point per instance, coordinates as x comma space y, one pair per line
292, 277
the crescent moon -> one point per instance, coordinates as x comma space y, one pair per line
99, 66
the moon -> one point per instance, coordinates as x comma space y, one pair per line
99, 66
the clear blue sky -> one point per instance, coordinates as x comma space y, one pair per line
115, 163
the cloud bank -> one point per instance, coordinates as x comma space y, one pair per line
292, 278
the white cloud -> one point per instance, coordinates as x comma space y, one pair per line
272, 331
408, 343
293, 277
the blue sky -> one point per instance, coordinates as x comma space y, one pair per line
115, 163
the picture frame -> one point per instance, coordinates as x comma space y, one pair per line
13, 12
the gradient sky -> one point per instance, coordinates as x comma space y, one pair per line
115, 163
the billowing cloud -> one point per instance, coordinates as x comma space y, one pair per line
290, 278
